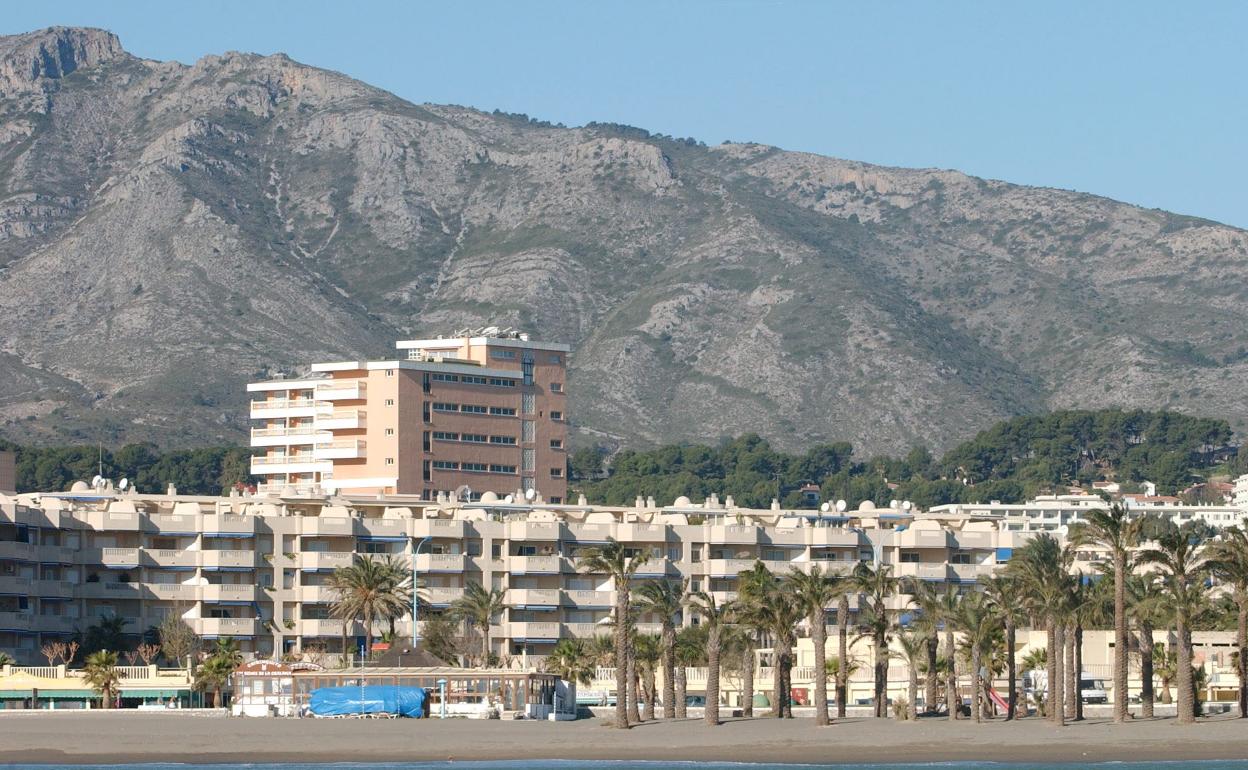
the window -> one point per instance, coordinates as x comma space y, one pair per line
506, 355
556, 387
556, 473
527, 431
527, 459
440, 377
556, 500
476, 467
389, 372
445, 465
503, 411
389, 461
389, 402
505, 440
424, 409
527, 403
961, 558
473, 409
511, 469
473, 379
441, 407
424, 441
556, 443
474, 438
424, 472
556, 360
556, 416
499, 382
441, 435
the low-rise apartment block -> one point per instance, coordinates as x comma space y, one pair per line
484, 410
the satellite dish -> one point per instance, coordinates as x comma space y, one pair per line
825, 507
509, 499
907, 505
463, 492
530, 494
841, 505
123, 484
97, 481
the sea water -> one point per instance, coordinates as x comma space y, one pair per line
570, 764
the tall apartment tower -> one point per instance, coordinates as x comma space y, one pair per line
483, 410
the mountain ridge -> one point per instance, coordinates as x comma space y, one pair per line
170, 231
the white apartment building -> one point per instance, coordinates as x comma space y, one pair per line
1054, 513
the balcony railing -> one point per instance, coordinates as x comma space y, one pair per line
441, 562
326, 560
533, 597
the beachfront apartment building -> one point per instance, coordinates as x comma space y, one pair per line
484, 410
1054, 513
256, 567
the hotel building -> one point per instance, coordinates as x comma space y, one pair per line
482, 411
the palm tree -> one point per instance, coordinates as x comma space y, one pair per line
1118, 533
814, 591
100, 671
1230, 565
648, 652
213, 675
914, 651
1147, 607
1005, 596
1182, 556
842, 647
665, 598
714, 618
877, 585
782, 613
227, 647
978, 624
927, 597
690, 651
621, 565
950, 602
753, 586
573, 661
478, 607
1042, 568
370, 590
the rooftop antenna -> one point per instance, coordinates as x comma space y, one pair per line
100, 465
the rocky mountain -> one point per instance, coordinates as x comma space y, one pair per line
168, 232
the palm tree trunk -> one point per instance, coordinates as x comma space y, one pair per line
1147, 696
681, 689
932, 681
1057, 642
634, 689
669, 671
1241, 666
881, 676
747, 676
216, 697
819, 634
712, 676
1071, 679
976, 683
649, 688
842, 651
621, 660
786, 674
777, 681
951, 673
485, 644
1011, 671
1120, 637
913, 714
1078, 645
1187, 700
368, 638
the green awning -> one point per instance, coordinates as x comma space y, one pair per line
126, 693
49, 694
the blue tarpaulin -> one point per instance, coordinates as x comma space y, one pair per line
370, 699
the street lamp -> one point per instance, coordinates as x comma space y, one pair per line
416, 593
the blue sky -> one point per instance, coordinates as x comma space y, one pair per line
1145, 102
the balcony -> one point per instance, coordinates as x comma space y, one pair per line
109, 590
173, 524
533, 597
325, 561
317, 594
17, 621
172, 592
441, 562
440, 595
536, 632
326, 526
973, 540
54, 624
591, 599
922, 538
451, 529
591, 533
120, 558
345, 390
59, 589
326, 627
16, 586
230, 594
306, 462
345, 449
921, 570
277, 408
387, 528
170, 558
341, 419
587, 630
734, 534
10, 549
969, 573
229, 525
723, 597
728, 567
528, 531
287, 436
641, 533
535, 565
229, 626
834, 537
229, 560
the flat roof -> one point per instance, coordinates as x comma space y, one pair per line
442, 343
427, 366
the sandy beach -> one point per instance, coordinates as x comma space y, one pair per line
117, 738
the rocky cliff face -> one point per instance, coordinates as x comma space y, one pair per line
169, 232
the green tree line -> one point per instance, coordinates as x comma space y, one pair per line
203, 471
1011, 461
